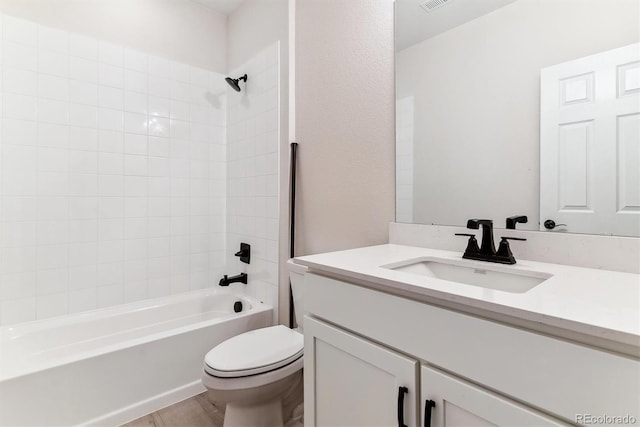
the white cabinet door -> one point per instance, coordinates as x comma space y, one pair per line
350, 381
590, 143
458, 403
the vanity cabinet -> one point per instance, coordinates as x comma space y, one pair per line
362, 344
355, 382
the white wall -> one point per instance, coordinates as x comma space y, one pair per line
345, 102
181, 30
477, 100
111, 188
254, 26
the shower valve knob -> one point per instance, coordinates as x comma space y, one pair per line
244, 253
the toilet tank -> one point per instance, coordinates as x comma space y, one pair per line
296, 275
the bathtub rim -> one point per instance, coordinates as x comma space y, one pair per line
50, 323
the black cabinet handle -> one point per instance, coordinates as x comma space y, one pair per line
401, 392
427, 412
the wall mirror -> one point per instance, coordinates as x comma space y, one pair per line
519, 107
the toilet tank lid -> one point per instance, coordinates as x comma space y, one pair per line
260, 348
293, 267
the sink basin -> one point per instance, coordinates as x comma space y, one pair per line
473, 273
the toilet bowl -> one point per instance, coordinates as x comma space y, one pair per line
252, 371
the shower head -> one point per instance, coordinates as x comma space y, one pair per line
235, 83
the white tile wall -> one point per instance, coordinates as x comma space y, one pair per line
252, 173
404, 159
112, 184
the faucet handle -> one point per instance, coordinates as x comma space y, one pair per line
244, 253
472, 244
504, 251
513, 238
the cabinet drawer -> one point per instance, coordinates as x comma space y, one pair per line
563, 378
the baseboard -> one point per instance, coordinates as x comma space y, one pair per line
147, 406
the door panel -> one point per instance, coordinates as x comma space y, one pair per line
350, 381
590, 143
458, 404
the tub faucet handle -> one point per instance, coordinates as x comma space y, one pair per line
244, 253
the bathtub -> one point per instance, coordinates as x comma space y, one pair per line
109, 366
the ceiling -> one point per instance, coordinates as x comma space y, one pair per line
414, 24
225, 7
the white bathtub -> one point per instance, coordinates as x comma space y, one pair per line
112, 365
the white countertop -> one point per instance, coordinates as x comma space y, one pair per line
596, 303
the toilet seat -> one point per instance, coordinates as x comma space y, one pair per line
255, 352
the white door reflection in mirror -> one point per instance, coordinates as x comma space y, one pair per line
590, 143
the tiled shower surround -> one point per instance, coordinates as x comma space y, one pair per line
113, 184
252, 173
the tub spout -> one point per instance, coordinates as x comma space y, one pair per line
226, 280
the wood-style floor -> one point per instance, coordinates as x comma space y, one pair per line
201, 411
198, 411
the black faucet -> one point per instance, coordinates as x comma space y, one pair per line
487, 250
240, 278
513, 220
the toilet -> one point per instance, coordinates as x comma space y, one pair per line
252, 371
